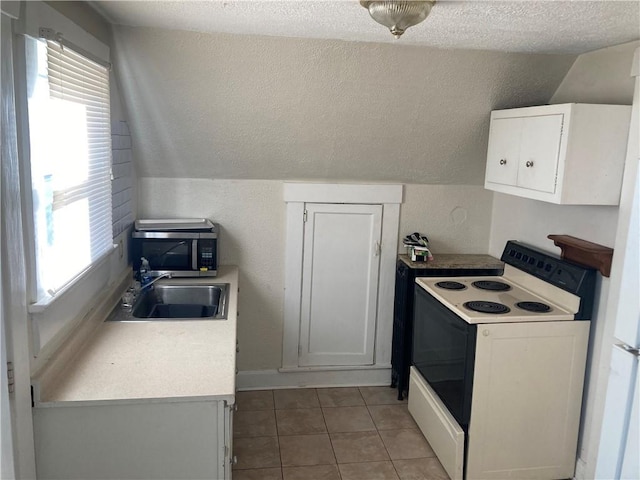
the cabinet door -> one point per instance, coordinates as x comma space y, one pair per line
339, 284
148, 440
503, 150
539, 152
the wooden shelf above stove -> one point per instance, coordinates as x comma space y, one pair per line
584, 252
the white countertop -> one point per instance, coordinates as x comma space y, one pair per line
125, 362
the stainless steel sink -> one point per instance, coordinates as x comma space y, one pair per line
177, 300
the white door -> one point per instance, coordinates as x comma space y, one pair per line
341, 255
504, 150
539, 152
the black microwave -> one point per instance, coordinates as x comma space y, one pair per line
180, 247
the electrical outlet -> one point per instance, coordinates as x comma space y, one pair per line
120, 248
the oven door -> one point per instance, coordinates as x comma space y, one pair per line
444, 353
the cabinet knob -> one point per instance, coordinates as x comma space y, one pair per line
529, 163
486, 333
503, 161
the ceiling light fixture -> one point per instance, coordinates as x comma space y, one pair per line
397, 16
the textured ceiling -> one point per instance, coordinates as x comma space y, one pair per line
550, 26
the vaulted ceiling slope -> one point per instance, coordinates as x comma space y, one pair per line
255, 107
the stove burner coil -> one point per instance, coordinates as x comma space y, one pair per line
534, 307
486, 307
491, 285
449, 285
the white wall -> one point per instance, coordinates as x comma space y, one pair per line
599, 77
455, 218
596, 77
530, 221
251, 107
252, 218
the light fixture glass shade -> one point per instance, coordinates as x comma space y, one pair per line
397, 16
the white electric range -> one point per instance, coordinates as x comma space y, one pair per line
498, 366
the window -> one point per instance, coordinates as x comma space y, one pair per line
70, 145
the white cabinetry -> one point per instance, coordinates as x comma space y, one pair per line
338, 321
341, 246
141, 400
567, 154
144, 440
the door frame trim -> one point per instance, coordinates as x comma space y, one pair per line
296, 195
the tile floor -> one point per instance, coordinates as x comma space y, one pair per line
329, 434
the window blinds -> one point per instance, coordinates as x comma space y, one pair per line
70, 130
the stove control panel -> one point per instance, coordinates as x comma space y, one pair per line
574, 278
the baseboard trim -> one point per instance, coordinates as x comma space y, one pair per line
273, 379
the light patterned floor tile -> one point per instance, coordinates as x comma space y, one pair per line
404, 444
391, 417
348, 419
340, 397
316, 472
255, 400
258, 474
420, 469
302, 421
254, 423
381, 396
302, 450
296, 398
358, 447
256, 452
368, 471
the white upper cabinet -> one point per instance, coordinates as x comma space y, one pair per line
567, 154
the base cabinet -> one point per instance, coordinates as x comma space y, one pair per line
186, 440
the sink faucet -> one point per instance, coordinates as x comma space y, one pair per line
164, 275
131, 296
